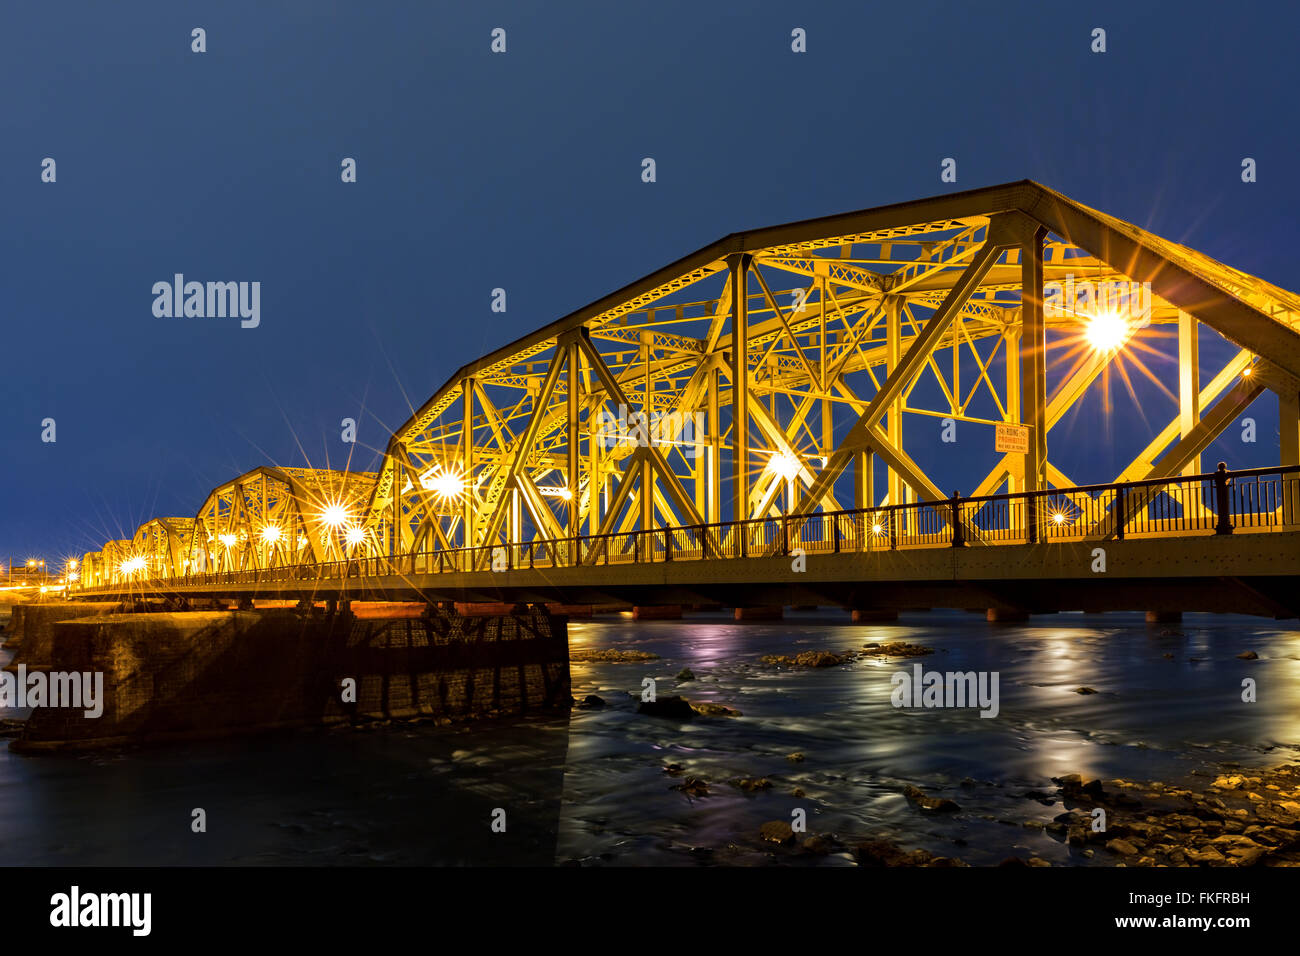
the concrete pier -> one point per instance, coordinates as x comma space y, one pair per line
862, 615
1164, 617
764, 613
189, 675
30, 631
1005, 615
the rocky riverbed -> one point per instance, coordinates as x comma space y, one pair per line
1240, 819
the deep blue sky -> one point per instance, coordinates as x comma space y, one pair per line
522, 170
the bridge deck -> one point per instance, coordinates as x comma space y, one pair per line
1204, 543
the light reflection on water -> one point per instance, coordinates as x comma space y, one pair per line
591, 788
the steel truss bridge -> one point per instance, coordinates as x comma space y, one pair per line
745, 424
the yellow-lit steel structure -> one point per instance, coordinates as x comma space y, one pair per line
163, 543
791, 372
821, 332
271, 517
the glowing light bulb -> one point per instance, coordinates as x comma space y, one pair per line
785, 465
1107, 331
335, 516
444, 482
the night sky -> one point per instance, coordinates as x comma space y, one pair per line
522, 171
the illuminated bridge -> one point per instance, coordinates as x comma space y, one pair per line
770, 421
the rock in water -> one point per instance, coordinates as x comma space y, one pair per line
675, 708
611, 655
693, 787
706, 709
777, 831
804, 659
919, 797
896, 649
817, 844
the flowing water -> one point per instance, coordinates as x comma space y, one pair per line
592, 788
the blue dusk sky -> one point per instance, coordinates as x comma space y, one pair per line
522, 171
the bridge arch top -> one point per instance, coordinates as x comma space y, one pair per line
912, 254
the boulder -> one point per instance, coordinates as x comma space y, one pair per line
777, 831
674, 708
926, 802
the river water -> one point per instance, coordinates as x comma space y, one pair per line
592, 789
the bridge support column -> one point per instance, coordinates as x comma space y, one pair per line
863, 615
1005, 615
1164, 617
430, 668
770, 612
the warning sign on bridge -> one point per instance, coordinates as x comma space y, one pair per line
1013, 439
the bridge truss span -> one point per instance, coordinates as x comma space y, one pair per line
790, 387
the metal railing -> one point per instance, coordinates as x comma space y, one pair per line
1217, 503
